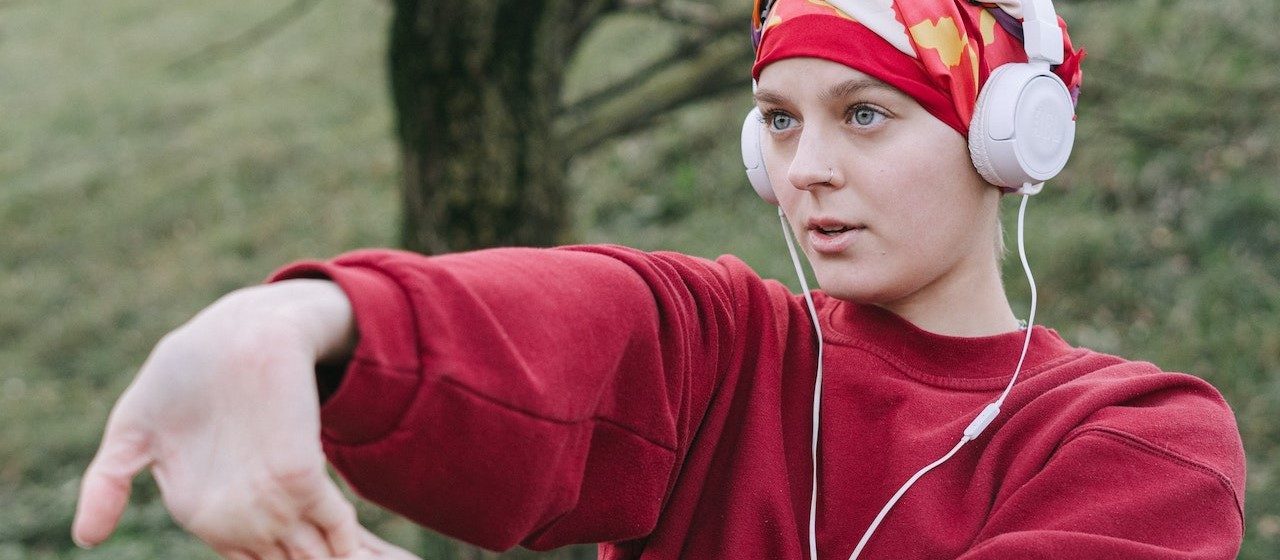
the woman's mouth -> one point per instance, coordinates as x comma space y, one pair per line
833, 230
829, 237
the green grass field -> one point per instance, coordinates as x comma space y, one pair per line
138, 183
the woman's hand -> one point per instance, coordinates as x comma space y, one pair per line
373, 548
225, 414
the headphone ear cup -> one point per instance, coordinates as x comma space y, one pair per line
978, 135
753, 157
1023, 128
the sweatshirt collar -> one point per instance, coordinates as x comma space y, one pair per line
937, 358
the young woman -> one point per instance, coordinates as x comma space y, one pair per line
665, 405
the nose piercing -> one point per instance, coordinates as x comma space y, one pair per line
831, 175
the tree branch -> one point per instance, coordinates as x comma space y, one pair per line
677, 12
584, 17
678, 55
712, 26
688, 45
719, 67
250, 37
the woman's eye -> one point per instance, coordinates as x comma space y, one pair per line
865, 116
779, 121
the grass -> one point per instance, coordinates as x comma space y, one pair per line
133, 192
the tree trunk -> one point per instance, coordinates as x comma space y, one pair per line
476, 86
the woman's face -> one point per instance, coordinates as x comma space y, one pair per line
881, 195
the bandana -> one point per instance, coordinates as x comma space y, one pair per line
939, 52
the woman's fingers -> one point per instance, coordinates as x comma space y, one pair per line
306, 542
104, 490
271, 553
235, 555
335, 518
378, 549
276, 552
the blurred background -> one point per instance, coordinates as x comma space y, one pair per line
155, 155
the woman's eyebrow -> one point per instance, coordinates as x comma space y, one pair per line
842, 90
853, 87
770, 97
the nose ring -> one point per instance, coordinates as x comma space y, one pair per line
831, 175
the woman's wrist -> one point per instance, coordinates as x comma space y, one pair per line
314, 316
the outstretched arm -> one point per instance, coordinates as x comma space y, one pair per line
516, 396
524, 396
225, 414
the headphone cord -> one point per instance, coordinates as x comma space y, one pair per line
988, 413
817, 386
971, 432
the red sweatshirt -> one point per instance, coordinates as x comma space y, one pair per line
661, 404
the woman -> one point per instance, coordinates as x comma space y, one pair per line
662, 404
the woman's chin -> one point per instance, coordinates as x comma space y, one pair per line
870, 293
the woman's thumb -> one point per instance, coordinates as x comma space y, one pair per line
104, 490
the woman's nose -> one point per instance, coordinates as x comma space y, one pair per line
812, 166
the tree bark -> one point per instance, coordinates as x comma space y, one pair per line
476, 86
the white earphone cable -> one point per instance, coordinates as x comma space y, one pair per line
971, 432
903, 490
1031, 282
817, 386
988, 413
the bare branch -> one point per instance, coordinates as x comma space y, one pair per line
679, 54
586, 10
585, 15
699, 14
687, 46
719, 67
250, 37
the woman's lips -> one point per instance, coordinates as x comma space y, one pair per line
829, 237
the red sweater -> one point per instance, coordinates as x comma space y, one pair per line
661, 404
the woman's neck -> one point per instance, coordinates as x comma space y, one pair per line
969, 302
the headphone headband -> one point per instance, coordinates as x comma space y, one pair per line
1042, 38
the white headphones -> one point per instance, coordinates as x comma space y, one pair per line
1023, 125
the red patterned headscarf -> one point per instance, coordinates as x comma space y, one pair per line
939, 52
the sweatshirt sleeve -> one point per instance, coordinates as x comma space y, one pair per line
527, 396
1112, 490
